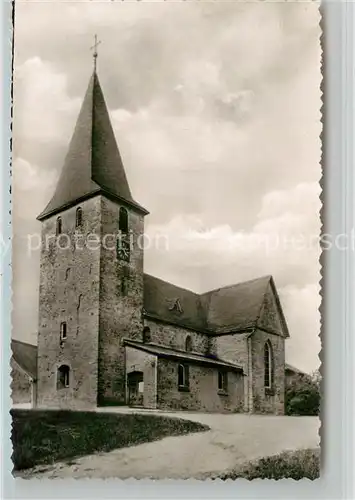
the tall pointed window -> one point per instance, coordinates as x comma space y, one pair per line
268, 366
79, 217
63, 377
188, 344
58, 229
123, 221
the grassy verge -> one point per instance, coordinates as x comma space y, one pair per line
44, 437
290, 464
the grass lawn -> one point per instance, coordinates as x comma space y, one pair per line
289, 464
47, 436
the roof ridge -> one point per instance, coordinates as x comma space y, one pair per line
269, 276
172, 284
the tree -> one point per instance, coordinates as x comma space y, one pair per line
302, 395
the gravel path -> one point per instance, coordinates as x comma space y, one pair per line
233, 439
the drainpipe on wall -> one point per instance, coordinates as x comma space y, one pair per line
126, 396
250, 375
156, 382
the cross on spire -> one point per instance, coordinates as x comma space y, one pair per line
94, 47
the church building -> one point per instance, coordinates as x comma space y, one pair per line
110, 334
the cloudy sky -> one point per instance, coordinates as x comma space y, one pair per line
216, 110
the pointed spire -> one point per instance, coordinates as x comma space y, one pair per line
93, 163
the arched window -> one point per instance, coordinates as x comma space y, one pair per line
146, 334
79, 217
183, 376
268, 366
58, 229
63, 378
188, 344
123, 221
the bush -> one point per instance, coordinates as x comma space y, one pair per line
302, 395
289, 464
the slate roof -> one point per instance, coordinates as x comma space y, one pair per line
167, 352
25, 356
93, 162
232, 309
237, 306
159, 297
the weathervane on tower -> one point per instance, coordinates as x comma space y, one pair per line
94, 47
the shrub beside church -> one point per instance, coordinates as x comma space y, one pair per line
302, 394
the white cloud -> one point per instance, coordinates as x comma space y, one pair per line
42, 108
216, 108
202, 258
284, 243
29, 179
278, 202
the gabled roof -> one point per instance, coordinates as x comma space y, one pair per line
237, 306
25, 356
167, 352
231, 309
93, 163
160, 298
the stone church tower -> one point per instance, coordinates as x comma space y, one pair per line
91, 269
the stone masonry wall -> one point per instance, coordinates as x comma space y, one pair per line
269, 318
21, 385
175, 337
143, 362
69, 291
234, 348
264, 400
120, 311
203, 394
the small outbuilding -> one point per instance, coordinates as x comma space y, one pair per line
23, 373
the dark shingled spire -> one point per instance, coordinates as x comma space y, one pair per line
93, 163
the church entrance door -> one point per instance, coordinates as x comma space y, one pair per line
135, 384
